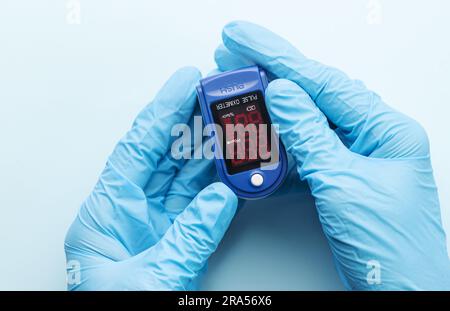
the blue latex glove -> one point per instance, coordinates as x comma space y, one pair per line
148, 225
371, 178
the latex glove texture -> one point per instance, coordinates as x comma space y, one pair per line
151, 222
371, 177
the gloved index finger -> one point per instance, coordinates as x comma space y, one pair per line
344, 101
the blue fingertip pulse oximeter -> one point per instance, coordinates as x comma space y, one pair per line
249, 157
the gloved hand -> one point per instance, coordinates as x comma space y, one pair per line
371, 178
148, 225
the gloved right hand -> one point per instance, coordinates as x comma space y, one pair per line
372, 178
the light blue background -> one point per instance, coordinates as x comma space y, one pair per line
69, 92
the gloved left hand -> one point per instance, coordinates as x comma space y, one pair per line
148, 225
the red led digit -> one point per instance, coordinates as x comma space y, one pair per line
226, 121
249, 144
241, 118
255, 117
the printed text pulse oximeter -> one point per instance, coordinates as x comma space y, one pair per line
252, 160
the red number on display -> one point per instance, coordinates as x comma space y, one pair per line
241, 119
253, 117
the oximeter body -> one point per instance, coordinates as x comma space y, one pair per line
237, 98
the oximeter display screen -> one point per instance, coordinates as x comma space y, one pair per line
246, 131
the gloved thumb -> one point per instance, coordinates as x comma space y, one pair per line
195, 234
304, 129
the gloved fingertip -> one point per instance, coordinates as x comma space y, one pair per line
189, 73
218, 195
241, 32
280, 86
232, 26
226, 60
221, 56
281, 93
220, 52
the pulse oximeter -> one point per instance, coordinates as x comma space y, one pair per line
251, 169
